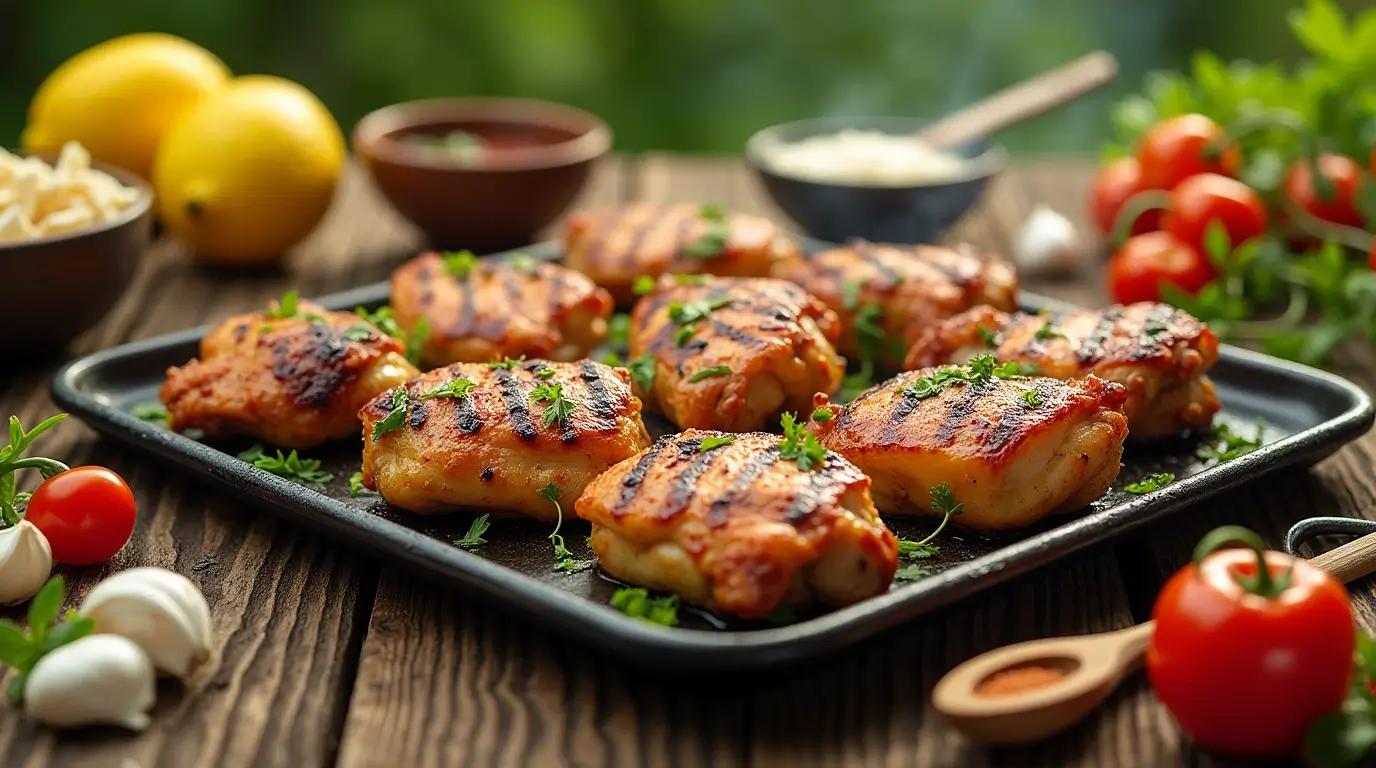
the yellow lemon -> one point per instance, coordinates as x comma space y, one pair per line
250, 171
119, 98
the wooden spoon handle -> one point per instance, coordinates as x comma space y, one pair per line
1027, 99
1351, 561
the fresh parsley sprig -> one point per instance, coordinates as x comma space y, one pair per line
710, 373
564, 561
386, 321
12, 460
474, 538
151, 412
506, 363
285, 308
822, 415
714, 441
459, 263
637, 603
454, 389
1225, 445
22, 650
558, 408
713, 242
643, 372
980, 369
356, 486
686, 312
944, 502
800, 445
1150, 483
397, 410
290, 466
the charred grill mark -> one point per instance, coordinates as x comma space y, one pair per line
631, 484
684, 484
750, 472
1092, 347
738, 335
419, 413
466, 415
487, 474
682, 231
1162, 316
517, 411
852, 407
962, 409
1010, 422
646, 225
311, 369
809, 496
240, 331
890, 274
600, 399
463, 325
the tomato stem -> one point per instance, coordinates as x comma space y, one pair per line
1224, 537
1255, 123
1132, 210
1341, 234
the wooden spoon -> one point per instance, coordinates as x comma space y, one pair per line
1027, 99
1092, 665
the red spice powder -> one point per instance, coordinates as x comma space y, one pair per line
1019, 680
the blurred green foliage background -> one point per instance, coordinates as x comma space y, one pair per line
683, 75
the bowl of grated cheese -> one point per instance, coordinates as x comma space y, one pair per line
870, 177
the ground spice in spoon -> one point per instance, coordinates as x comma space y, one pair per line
1019, 680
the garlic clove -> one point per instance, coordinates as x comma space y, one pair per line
26, 561
97, 680
160, 610
1047, 243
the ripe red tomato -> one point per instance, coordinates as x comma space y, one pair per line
1208, 197
86, 513
1243, 673
1136, 271
1173, 150
1111, 187
1346, 176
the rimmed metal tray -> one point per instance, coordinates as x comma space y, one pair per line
1307, 415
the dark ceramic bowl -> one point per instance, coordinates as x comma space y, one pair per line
58, 287
540, 158
916, 213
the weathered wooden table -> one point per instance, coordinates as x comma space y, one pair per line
328, 657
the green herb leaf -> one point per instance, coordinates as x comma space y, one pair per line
712, 212
523, 263
1150, 483
1048, 331
356, 486
559, 408
1225, 445
397, 411
288, 466
544, 374
457, 388
619, 333
287, 306
1032, 397
359, 332
714, 441
685, 334
45, 607
614, 360
70, 630
944, 500
710, 245
911, 573
850, 294
643, 372
987, 337
147, 412
822, 415
708, 373
800, 445
507, 364
551, 491
916, 550
1217, 246
15, 648
686, 312
637, 603
869, 331
643, 285
459, 264
474, 538
564, 561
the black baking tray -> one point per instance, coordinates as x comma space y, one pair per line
1307, 414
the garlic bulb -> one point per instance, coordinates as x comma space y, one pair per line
97, 680
1047, 243
160, 610
26, 561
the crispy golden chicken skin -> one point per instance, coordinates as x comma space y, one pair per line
495, 442
899, 289
737, 528
733, 353
490, 310
295, 382
1158, 352
1009, 461
615, 245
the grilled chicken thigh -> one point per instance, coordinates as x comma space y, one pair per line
294, 376
615, 245
737, 527
478, 310
1010, 457
732, 353
1158, 352
885, 295
492, 435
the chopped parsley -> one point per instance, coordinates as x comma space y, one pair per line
709, 373
396, 414
1154, 329
1048, 331
712, 212
544, 374
1032, 397
523, 263
386, 321
619, 332
358, 332
800, 445
911, 573
507, 363
987, 337
289, 466
559, 408
869, 334
917, 550
356, 487
1225, 445
685, 334
564, 561
822, 415
944, 502
287, 307
474, 538
643, 285
714, 441
850, 294
637, 603
712, 243
1150, 483
981, 368
151, 412
455, 388
685, 312
459, 263
643, 372
614, 360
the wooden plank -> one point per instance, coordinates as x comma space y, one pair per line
286, 605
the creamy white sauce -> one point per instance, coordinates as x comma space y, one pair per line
862, 158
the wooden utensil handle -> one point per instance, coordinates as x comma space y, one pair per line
1024, 100
1351, 561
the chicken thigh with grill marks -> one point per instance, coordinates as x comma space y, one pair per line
615, 245
478, 310
732, 353
294, 376
1012, 450
885, 295
729, 524
491, 435
1159, 353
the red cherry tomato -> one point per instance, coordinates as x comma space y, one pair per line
1173, 150
1246, 671
1112, 185
1200, 200
1346, 177
86, 513
1136, 271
